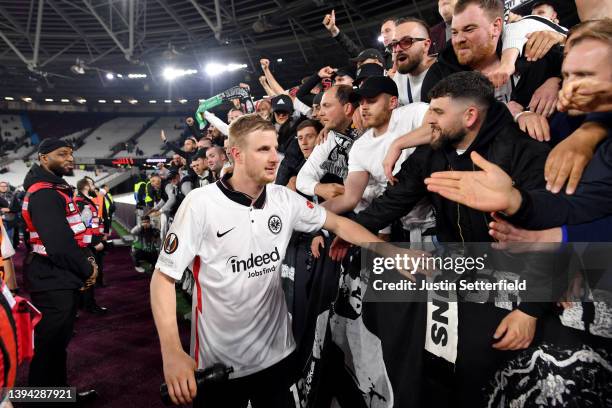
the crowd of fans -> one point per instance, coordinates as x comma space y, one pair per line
467, 131
515, 107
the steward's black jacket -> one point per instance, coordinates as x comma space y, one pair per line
67, 266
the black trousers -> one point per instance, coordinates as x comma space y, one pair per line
51, 337
268, 388
140, 255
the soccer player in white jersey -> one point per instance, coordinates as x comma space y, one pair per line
234, 234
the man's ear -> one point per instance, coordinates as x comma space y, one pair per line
349, 109
393, 102
471, 117
426, 46
498, 23
236, 153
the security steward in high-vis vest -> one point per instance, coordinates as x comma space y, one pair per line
94, 237
59, 265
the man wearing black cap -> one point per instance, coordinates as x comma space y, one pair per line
378, 100
286, 122
59, 265
344, 76
369, 56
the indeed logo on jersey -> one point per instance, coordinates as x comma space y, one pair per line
253, 262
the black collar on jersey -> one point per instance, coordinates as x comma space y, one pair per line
239, 197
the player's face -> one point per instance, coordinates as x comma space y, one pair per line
260, 156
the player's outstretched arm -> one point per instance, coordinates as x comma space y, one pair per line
179, 367
349, 230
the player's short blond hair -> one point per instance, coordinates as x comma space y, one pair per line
244, 125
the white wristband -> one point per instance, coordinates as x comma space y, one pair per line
518, 115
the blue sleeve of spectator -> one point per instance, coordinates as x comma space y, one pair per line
596, 231
603, 118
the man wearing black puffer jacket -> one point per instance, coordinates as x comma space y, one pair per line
60, 263
465, 117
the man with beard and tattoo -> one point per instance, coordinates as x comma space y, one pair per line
410, 48
325, 170
59, 265
464, 117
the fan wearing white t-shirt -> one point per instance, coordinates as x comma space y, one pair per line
233, 235
366, 179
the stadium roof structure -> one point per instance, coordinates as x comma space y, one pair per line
70, 48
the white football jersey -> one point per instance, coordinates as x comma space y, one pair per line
235, 251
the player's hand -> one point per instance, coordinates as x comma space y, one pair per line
338, 250
535, 126
515, 332
265, 63
179, 370
291, 184
327, 191
540, 42
189, 121
505, 234
391, 158
163, 136
544, 99
99, 247
329, 21
317, 242
263, 81
326, 72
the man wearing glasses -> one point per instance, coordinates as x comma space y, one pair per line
410, 48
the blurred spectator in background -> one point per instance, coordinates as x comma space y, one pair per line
145, 247
9, 207
441, 32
